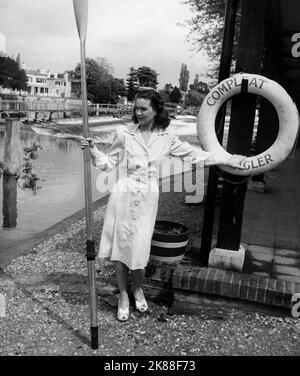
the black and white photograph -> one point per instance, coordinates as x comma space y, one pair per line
149, 181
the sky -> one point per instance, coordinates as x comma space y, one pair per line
129, 33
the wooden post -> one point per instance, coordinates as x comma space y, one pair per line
268, 123
249, 58
212, 186
12, 154
9, 210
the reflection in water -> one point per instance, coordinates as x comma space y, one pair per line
9, 209
64, 145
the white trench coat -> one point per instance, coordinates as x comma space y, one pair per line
132, 207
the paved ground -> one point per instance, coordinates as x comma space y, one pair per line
271, 224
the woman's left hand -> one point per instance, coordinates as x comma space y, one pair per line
235, 161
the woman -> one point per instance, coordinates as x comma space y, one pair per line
130, 216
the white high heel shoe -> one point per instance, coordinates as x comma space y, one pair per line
123, 314
141, 305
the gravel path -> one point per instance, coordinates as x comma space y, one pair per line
47, 310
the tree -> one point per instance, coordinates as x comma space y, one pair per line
132, 84
11, 76
184, 78
193, 98
164, 96
165, 93
18, 60
118, 89
147, 77
202, 88
104, 64
196, 80
206, 29
199, 86
168, 88
143, 76
175, 95
102, 87
207, 25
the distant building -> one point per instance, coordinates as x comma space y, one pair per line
46, 84
37, 82
74, 88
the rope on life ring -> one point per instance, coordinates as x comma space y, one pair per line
287, 114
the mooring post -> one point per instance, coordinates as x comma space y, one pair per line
228, 253
9, 203
268, 124
12, 153
213, 179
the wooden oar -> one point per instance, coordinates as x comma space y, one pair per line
81, 14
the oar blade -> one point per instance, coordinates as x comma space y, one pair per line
81, 15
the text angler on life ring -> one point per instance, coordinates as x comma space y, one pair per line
287, 114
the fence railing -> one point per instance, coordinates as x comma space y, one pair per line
12, 105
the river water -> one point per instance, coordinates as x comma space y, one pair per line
59, 167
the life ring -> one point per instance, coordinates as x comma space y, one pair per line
287, 114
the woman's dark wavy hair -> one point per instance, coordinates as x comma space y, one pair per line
161, 120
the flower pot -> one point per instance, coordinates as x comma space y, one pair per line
169, 242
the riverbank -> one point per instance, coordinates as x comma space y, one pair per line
71, 128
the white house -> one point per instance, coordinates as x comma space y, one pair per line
46, 84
